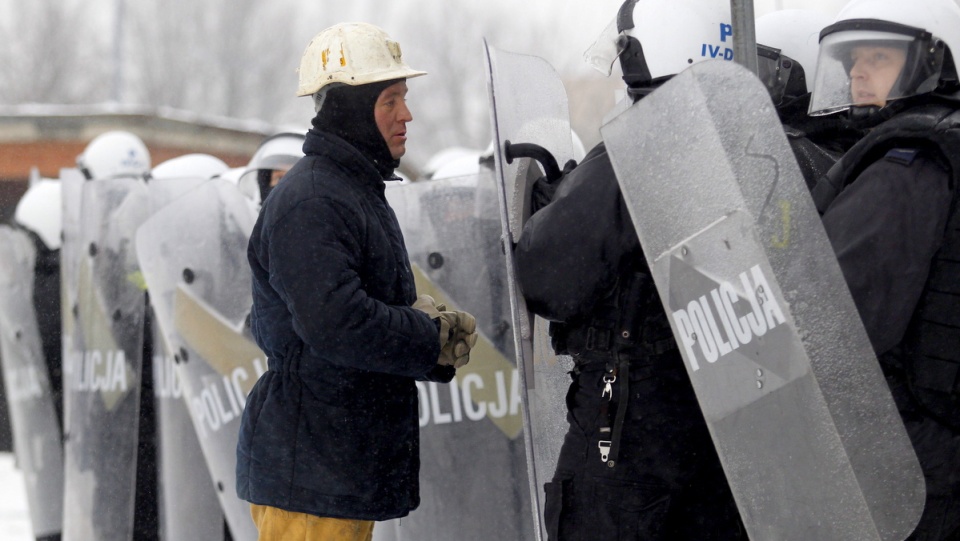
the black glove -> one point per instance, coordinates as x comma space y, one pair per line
544, 189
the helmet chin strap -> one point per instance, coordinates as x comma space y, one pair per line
868, 116
633, 64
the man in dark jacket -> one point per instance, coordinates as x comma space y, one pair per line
890, 210
329, 440
637, 461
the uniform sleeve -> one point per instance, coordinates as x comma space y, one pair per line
570, 252
315, 252
885, 229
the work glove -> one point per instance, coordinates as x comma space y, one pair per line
458, 331
456, 352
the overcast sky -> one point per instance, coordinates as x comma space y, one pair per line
443, 37
578, 22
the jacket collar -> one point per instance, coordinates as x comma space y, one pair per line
352, 161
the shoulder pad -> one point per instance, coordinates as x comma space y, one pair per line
903, 156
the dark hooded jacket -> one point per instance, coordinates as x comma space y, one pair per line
331, 429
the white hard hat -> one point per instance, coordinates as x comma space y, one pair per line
40, 210
926, 30
794, 33
351, 54
189, 166
114, 154
659, 38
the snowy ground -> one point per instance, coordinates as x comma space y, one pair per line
14, 518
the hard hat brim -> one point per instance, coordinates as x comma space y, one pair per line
342, 78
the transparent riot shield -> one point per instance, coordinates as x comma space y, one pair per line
165, 190
71, 181
188, 503
36, 428
193, 256
803, 421
189, 508
471, 449
529, 105
102, 381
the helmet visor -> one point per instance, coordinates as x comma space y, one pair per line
866, 67
605, 50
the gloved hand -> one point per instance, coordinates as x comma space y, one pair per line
427, 305
456, 352
544, 189
458, 331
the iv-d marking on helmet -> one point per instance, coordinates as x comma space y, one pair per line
719, 51
698, 323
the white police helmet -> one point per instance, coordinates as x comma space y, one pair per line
189, 166
658, 38
114, 154
788, 42
40, 211
276, 153
923, 34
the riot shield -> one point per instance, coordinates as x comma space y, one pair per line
193, 256
188, 504
102, 380
165, 190
803, 421
529, 105
471, 451
36, 428
189, 508
71, 181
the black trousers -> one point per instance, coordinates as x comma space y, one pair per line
938, 449
667, 482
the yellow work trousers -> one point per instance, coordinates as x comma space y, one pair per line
279, 525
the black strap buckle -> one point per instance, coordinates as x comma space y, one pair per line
598, 339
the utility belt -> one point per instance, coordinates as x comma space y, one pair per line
628, 323
593, 342
598, 348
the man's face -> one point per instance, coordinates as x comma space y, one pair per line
874, 72
276, 175
392, 115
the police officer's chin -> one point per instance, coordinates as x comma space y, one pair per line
870, 115
860, 113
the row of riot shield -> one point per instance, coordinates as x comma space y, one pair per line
114, 398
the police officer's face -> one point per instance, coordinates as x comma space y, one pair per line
392, 115
276, 175
874, 72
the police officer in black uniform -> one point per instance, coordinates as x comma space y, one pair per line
890, 210
637, 461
